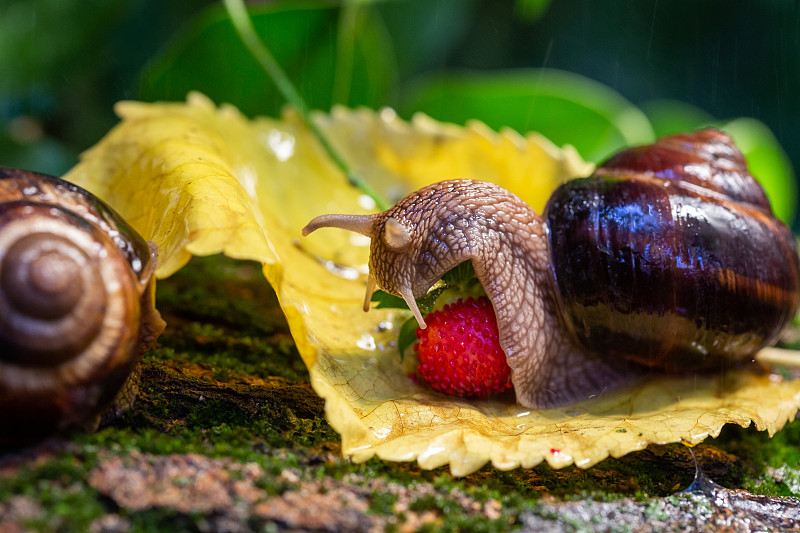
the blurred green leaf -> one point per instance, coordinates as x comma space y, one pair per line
387, 301
531, 10
30, 62
407, 336
673, 116
426, 34
766, 160
566, 108
208, 56
390, 301
43, 154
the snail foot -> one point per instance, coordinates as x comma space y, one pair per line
568, 376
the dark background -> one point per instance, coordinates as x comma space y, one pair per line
63, 63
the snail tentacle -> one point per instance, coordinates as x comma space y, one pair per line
362, 224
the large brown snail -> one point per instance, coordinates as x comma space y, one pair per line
667, 257
76, 306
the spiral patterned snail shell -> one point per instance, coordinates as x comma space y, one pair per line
668, 257
76, 306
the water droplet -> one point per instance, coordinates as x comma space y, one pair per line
366, 342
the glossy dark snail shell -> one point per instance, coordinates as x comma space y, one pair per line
667, 257
670, 255
76, 306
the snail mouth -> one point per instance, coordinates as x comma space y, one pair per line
411, 302
371, 288
405, 293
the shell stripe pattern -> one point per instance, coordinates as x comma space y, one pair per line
675, 265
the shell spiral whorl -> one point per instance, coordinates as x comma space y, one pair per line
76, 305
52, 289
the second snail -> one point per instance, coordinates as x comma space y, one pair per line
667, 258
76, 307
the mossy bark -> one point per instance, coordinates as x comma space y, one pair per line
227, 435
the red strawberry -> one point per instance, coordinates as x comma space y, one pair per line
459, 352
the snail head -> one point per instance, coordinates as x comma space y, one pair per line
407, 256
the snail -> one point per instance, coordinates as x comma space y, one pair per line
666, 259
76, 306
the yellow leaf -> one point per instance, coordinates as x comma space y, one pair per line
198, 180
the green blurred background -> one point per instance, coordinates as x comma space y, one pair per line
598, 75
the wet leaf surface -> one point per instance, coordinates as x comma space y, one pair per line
199, 180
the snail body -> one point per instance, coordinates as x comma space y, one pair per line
76, 306
667, 257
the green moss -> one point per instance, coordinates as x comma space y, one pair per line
58, 485
231, 292
226, 381
68, 508
160, 519
382, 502
222, 440
759, 452
223, 313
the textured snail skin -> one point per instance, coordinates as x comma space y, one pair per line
668, 256
76, 307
